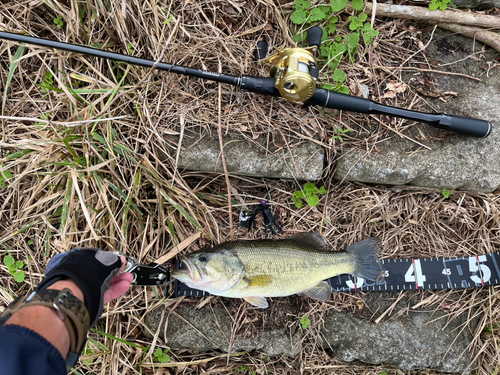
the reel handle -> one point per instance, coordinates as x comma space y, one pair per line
261, 50
314, 35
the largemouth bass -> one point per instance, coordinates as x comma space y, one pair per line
256, 269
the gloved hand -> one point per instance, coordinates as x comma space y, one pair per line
94, 271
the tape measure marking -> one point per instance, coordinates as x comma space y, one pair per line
410, 274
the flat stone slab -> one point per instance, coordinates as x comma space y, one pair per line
209, 329
454, 161
418, 339
200, 151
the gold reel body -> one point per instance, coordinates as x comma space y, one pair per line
292, 70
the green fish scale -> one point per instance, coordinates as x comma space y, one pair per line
284, 267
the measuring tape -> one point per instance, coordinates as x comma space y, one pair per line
409, 274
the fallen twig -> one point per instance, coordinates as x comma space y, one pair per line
426, 15
490, 38
465, 23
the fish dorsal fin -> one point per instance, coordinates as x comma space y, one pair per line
259, 280
310, 239
321, 292
257, 301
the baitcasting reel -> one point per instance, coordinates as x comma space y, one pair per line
294, 69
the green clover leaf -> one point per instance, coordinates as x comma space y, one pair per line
317, 14
299, 17
305, 322
313, 200
299, 194
19, 276
338, 76
357, 4
338, 5
9, 260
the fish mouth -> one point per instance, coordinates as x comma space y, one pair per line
190, 269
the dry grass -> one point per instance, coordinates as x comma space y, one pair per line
85, 171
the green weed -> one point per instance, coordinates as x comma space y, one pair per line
169, 20
309, 193
439, 4
58, 22
339, 132
130, 48
18, 154
4, 176
131, 344
14, 267
493, 328
12, 69
446, 193
244, 369
87, 361
47, 83
305, 322
161, 355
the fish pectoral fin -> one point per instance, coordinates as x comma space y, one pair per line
321, 292
257, 301
259, 280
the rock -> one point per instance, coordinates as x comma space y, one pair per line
304, 160
417, 339
208, 329
477, 4
454, 161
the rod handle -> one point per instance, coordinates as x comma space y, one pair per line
463, 125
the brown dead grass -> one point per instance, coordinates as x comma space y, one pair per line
91, 176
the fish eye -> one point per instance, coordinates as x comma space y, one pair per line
203, 258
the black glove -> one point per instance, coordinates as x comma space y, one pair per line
91, 269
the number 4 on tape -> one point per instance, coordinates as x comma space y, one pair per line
415, 275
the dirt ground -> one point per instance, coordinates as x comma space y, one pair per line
78, 155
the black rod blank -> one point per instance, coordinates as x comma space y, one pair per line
232, 80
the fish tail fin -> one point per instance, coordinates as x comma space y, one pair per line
365, 253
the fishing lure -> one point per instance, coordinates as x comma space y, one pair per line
270, 221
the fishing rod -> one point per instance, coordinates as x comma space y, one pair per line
293, 76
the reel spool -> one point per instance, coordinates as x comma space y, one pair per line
294, 69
